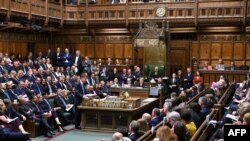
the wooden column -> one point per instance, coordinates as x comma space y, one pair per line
29, 9
47, 9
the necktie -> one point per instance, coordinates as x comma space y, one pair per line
47, 103
39, 90
6, 94
76, 60
37, 107
82, 87
65, 87
54, 77
50, 90
61, 85
24, 70
62, 100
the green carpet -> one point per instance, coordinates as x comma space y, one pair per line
77, 135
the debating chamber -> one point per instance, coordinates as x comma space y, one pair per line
124, 70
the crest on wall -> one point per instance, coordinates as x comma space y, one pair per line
149, 35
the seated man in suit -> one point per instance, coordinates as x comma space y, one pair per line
49, 112
232, 66
244, 66
134, 130
155, 117
60, 101
31, 110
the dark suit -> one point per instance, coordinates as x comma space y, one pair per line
34, 112
3, 69
155, 75
189, 81
232, 68
12, 94
113, 75
78, 61
154, 121
78, 100
12, 113
133, 136
38, 89
91, 81
61, 85
58, 59
176, 83
5, 95
243, 67
123, 78
80, 88
31, 78
49, 88
7, 134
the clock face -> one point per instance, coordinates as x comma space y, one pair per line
160, 12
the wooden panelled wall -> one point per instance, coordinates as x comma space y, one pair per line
207, 47
114, 47
105, 47
228, 47
18, 43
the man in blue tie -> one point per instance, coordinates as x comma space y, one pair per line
37, 86
3, 93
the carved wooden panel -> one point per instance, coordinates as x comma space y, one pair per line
247, 51
4, 47
140, 52
90, 52
238, 50
118, 48
227, 50
41, 47
204, 50
128, 48
109, 50
99, 50
215, 50
195, 50
81, 48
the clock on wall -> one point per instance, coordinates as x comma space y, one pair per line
160, 12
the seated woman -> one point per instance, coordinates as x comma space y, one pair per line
13, 123
198, 80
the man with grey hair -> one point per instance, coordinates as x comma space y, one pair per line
117, 136
205, 110
173, 117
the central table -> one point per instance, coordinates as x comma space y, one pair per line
109, 119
